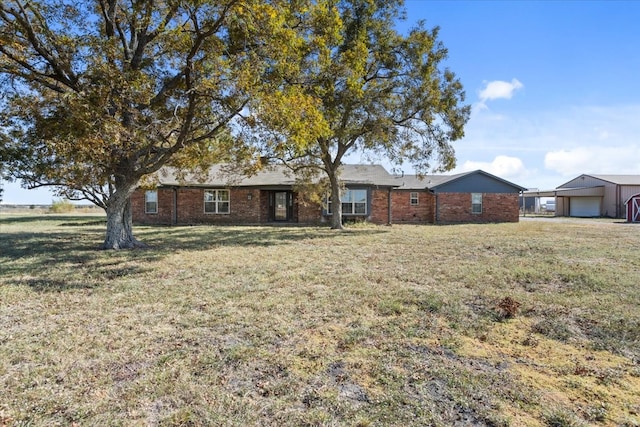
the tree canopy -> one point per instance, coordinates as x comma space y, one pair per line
378, 92
98, 94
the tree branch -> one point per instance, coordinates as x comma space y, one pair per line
61, 72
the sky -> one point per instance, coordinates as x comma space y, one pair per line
554, 88
554, 85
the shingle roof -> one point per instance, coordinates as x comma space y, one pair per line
367, 174
280, 176
274, 175
415, 182
223, 176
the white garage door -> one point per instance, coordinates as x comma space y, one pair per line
584, 206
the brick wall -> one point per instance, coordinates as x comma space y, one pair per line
379, 207
264, 205
306, 211
404, 212
165, 207
245, 205
378, 212
452, 208
496, 207
190, 202
241, 209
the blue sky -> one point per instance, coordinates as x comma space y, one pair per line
554, 87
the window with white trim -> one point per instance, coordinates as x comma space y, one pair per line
413, 198
476, 203
151, 201
354, 202
216, 201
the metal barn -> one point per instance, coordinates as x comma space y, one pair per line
593, 195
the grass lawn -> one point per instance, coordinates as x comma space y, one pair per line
529, 324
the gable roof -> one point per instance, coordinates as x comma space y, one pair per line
423, 182
223, 175
367, 174
434, 182
617, 179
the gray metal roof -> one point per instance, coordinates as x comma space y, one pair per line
573, 191
619, 179
270, 176
613, 179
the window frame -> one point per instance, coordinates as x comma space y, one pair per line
217, 201
475, 204
414, 198
147, 202
351, 201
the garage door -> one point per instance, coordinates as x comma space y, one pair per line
584, 206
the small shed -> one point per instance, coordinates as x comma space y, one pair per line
633, 208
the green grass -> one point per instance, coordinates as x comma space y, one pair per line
270, 326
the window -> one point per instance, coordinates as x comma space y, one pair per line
413, 198
216, 201
151, 202
354, 202
476, 203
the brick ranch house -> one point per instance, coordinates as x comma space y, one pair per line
371, 194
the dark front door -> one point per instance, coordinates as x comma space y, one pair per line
281, 203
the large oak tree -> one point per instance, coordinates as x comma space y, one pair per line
378, 92
98, 94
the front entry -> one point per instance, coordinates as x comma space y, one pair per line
281, 205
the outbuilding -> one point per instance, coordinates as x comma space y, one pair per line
593, 195
633, 208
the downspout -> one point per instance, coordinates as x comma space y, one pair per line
436, 212
389, 213
175, 206
618, 201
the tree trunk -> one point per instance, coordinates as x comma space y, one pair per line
336, 203
119, 233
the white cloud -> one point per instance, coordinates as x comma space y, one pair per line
555, 144
594, 159
505, 167
568, 162
499, 89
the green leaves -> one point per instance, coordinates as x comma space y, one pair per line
121, 88
376, 89
102, 93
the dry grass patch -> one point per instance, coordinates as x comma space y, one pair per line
596, 385
402, 325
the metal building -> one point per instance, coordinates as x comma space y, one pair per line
593, 195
